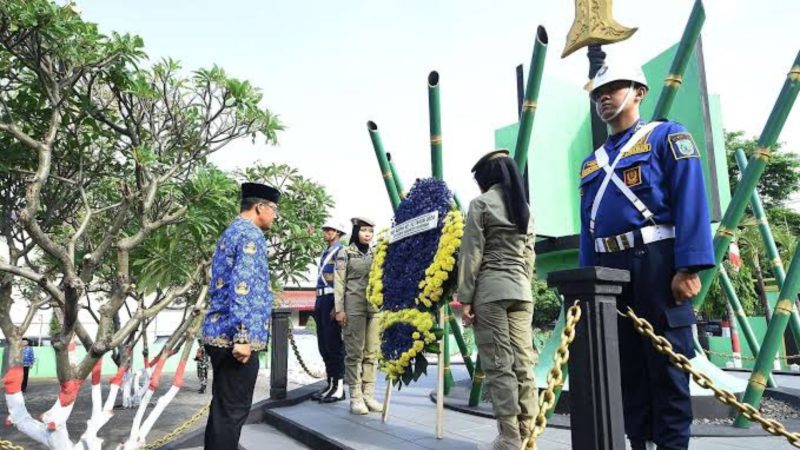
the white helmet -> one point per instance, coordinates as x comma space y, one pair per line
607, 75
335, 225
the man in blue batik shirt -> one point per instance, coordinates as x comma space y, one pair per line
237, 324
644, 209
28, 358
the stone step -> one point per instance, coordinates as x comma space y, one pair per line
262, 436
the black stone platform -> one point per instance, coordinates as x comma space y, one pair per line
458, 400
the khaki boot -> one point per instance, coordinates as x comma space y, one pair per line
508, 436
525, 431
357, 405
369, 398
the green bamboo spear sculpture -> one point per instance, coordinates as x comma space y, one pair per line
530, 99
383, 162
741, 317
437, 169
673, 81
772, 339
477, 384
747, 184
435, 121
788, 293
769, 245
398, 183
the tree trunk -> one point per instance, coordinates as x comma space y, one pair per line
12, 354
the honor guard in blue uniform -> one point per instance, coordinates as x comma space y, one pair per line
329, 332
644, 209
237, 324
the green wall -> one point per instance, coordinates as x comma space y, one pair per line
561, 138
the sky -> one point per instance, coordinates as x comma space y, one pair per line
326, 68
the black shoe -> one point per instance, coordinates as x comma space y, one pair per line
336, 392
201, 391
317, 396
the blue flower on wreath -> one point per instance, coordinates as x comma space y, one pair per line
407, 259
396, 340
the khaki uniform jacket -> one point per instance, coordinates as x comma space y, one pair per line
495, 261
350, 282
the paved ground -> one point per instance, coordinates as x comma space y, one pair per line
411, 420
42, 393
412, 425
263, 436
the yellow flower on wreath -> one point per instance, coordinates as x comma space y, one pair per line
444, 262
422, 322
375, 281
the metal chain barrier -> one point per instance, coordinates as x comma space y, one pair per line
296, 351
748, 358
167, 438
664, 347
555, 377
8, 445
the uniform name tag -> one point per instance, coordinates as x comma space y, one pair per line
419, 224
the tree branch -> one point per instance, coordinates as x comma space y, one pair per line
130, 242
20, 135
84, 224
92, 261
37, 278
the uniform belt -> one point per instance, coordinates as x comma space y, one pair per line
324, 291
625, 241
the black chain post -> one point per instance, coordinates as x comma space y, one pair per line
595, 393
279, 361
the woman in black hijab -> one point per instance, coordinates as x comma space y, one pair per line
494, 287
361, 334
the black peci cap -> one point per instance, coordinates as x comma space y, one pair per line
262, 191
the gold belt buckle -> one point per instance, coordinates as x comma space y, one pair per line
626, 244
611, 244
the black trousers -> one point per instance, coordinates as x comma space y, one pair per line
25, 371
655, 394
329, 337
231, 397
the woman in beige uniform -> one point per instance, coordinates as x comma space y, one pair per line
494, 285
358, 317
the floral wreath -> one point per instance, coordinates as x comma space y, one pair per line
409, 278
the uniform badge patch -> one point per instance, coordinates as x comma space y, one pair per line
633, 176
640, 147
250, 248
683, 146
589, 167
